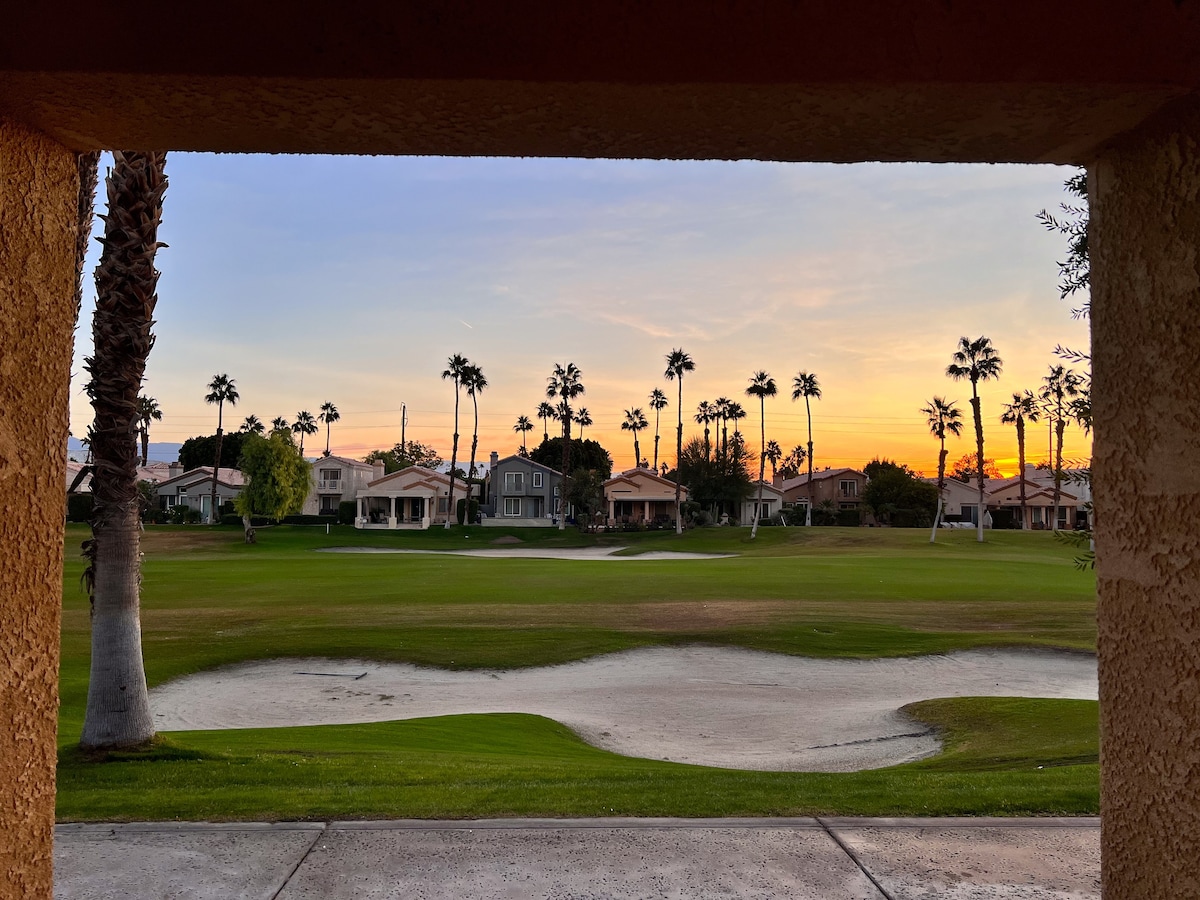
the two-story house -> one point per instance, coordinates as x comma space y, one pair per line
842, 487
335, 479
519, 491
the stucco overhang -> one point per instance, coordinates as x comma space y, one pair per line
1023, 80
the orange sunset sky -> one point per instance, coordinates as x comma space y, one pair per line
351, 280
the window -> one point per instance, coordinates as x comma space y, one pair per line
329, 506
537, 479
443, 504
512, 506
331, 474
849, 488
970, 513
514, 481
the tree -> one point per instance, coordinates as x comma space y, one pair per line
635, 421
475, 382
279, 423
329, 415
773, 454
545, 412
401, 456
717, 482
736, 413
253, 425
806, 385
583, 419
658, 402
678, 363
118, 705
523, 427
304, 425
942, 415
966, 467
977, 361
587, 455
761, 386
146, 411
1059, 389
200, 450
1022, 409
793, 463
705, 415
720, 413
1076, 270
456, 367
586, 494
566, 384
221, 390
898, 496
277, 479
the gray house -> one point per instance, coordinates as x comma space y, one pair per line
521, 492
194, 488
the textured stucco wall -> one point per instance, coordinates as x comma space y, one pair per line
38, 181
1145, 252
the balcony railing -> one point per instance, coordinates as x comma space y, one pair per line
330, 485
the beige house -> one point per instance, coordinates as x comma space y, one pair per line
772, 502
335, 479
411, 499
639, 495
193, 488
843, 487
962, 500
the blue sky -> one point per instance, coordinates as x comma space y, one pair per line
353, 279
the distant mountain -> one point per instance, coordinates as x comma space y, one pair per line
159, 451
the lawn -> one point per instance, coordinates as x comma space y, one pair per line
209, 600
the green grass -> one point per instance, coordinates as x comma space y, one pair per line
1004, 757
210, 600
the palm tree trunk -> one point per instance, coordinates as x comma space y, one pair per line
678, 456
471, 468
975, 406
937, 518
450, 510
811, 494
145, 434
212, 502
327, 426
762, 463
1060, 426
118, 705
1021, 462
656, 415
566, 458
637, 453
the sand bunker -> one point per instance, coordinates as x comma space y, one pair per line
704, 705
530, 553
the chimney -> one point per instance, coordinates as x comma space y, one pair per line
777, 480
377, 470
493, 461
174, 469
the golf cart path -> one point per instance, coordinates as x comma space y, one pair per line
602, 553
709, 706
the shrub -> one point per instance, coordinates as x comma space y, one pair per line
347, 512
850, 518
79, 507
1003, 518
462, 505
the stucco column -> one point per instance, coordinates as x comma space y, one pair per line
1145, 255
38, 188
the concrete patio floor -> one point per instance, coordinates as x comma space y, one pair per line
821, 859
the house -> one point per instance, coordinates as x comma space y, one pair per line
772, 503
193, 488
1004, 495
842, 487
412, 498
639, 495
519, 491
335, 479
79, 475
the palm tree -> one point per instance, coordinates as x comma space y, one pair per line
806, 385
1059, 388
678, 363
761, 386
304, 424
736, 414
720, 414
545, 412
1022, 409
565, 384
705, 413
456, 367
583, 419
279, 423
221, 390
147, 410
658, 402
118, 706
978, 361
253, 425
475, 382
943, 416
635, 420
523, 427
329, 415
773, 453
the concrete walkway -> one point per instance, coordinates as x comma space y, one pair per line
821, 859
